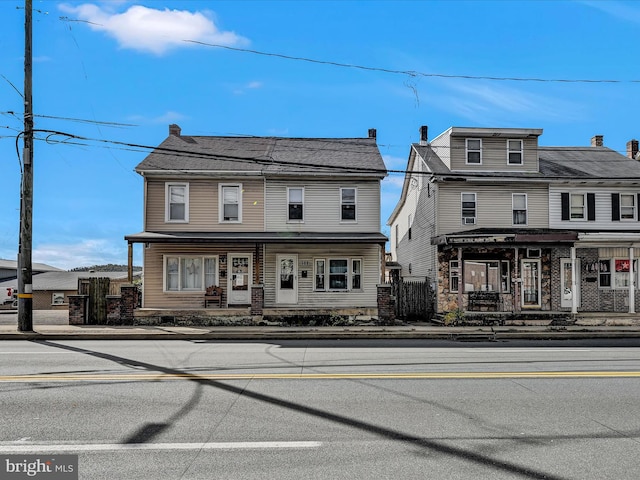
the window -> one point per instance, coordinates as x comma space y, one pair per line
177, 202
190, 273
468, 208
474, 151
454, 275
348, 203
514, 152
577, 206
615, 273
343, 274
295, 200
356, 274
627, 206
519, 206
486, 276
57, 298
409, 223
230, 203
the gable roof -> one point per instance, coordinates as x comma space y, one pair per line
265, 156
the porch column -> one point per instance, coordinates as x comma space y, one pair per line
460, 278
574, 291
130, 263
632, 283
518, 281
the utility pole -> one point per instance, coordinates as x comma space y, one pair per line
25, 286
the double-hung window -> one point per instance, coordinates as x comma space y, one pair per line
468, 208
231, 203
295, 201
348, 204
514, 152
627, 206
474, 151
190, 273
519, 206
577, 206
177, 202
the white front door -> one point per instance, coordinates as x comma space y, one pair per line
566, 287
287, 279
239, 276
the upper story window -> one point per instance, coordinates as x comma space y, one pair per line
231, 203
348, 204
627, 206
514, 152
409, 223
474, 151
295, 201
519, 206
469, 208
577, 206
177, 202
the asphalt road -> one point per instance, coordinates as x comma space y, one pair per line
324, 410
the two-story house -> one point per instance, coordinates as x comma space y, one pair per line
285, 226
498, 222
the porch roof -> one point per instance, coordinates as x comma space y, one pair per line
256, 237
502, 236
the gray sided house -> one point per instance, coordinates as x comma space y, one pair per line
499, 223
281, 226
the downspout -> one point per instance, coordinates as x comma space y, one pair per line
574, 283
632, 283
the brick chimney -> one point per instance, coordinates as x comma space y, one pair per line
372, 133
424, 135
174, 130
632, 149
597, 141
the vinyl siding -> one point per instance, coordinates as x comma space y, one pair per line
322, 208
494, 155
203, 206
493, 206
307, 297
441, 147
603, 219
153, 294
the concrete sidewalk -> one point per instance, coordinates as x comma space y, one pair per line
54, 325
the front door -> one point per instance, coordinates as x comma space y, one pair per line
566, 287
531, 283
239, 278
287, 280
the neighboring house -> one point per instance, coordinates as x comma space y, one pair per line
284, 225
9, 269
498, 222
51, 290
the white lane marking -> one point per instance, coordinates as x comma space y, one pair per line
114, 447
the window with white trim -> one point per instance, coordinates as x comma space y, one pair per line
295, 202
190, 273
473, 151
519, 207
230, 203
348, 204
627, 206
177, 202
338, 274
615, 273
577, 206
468, 201
514, 152
454, 275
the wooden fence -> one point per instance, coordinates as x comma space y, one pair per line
414, 300
97, 289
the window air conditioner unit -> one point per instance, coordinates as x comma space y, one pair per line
533, 252
469, 220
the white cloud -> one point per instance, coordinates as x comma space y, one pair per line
624, 11
166, 118
83, 254
150, 30
249, 86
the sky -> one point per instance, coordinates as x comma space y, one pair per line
109, 74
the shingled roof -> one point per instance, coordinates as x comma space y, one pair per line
265, 155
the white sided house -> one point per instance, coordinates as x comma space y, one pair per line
501, 224
282, 226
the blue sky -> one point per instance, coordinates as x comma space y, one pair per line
118, 72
